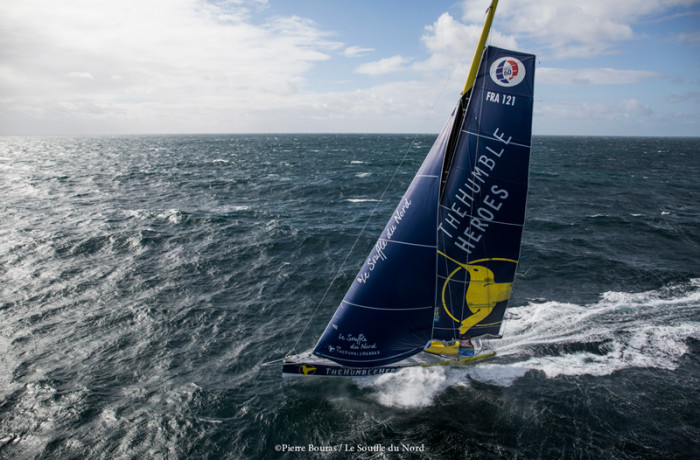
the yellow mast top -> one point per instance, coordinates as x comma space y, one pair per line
480, 48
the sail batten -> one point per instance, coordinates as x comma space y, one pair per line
494, 138
431, 246
387, 309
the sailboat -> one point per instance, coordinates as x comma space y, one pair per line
439, 277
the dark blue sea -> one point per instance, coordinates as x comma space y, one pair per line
145, 280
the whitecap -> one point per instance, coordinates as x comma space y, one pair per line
418, 386
361, 200
645, 330
622, 330
410, 387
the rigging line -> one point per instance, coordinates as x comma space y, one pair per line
376, 206
272, 362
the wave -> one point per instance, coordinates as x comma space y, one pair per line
622, 330
361, 200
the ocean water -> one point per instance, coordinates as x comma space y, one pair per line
144, 282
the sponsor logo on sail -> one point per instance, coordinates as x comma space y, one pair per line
507, 71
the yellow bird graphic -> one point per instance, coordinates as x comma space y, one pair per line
483, 293
306, 370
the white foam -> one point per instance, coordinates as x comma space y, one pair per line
360, 200
647, 329
496, 374
623, 330
410, 387
418, 386
173, 216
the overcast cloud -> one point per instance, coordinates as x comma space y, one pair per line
167, 66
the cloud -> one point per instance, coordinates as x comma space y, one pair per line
80, 66
599, 117
575, 28
692, 38
602, 76
161, 61
448, 40
356, 51
80, 75
403, 106
383, 66
594, 110
690, 96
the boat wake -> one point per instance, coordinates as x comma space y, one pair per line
622, 330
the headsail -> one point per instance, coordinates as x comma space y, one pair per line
386, 314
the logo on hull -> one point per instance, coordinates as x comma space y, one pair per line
307, 370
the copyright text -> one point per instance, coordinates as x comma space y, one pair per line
401, 447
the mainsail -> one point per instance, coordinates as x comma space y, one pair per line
482, 206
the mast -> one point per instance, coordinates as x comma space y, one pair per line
480, 48
464, 99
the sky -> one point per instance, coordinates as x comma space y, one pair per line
73, 67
